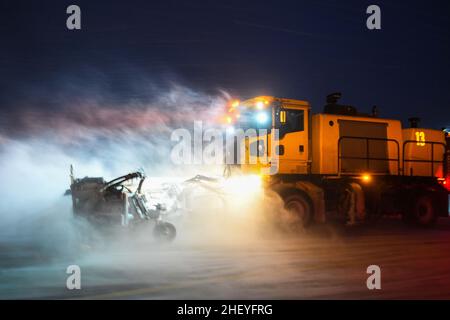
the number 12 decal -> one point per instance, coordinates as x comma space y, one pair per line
420, 138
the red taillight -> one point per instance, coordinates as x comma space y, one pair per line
446, 184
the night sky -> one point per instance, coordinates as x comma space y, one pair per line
299, 49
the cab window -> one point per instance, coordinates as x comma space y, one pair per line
295, 120
291, 120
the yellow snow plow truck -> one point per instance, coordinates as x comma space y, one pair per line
341, 163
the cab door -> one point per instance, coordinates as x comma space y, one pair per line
293, 149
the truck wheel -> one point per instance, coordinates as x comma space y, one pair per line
423, 211
164, 231
300, 211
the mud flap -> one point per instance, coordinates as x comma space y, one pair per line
357, 208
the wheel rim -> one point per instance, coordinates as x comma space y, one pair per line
166, 231
424, 211
298, 211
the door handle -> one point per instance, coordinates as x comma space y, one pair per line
301, 148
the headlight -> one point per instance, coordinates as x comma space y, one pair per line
243, 185
262, 117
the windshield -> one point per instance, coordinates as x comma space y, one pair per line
255, 119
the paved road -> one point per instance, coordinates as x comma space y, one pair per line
323, 263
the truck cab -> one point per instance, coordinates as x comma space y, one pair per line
289, 151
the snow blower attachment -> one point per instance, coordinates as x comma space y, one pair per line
114, 203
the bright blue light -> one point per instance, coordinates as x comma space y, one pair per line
262, 117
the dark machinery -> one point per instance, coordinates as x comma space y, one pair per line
113, 203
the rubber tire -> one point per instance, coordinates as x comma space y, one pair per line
302, 207
422, 211
164, 231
